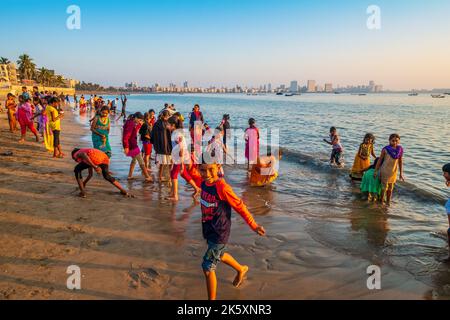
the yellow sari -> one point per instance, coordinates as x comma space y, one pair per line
362, 160
264, 172
48, 136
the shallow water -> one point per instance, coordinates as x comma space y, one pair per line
402, 236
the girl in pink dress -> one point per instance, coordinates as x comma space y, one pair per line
25, 117
251, 143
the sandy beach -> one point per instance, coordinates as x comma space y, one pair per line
150, 248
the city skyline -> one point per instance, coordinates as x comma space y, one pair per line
294, 87
218, 44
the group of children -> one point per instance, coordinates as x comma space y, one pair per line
165, 136
377, 179
37, 112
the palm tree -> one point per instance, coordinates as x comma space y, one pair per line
51, 78
60, 82
43, 75
4, 60
26, 67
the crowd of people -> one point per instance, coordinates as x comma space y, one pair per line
37, 112
147, 137
378, 178
158, 138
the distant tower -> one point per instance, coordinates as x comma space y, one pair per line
311, 85
294, 87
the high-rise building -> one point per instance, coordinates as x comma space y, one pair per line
311, 85
378, 88
294, 87
319, 88
328, 87
185, 85
269, 87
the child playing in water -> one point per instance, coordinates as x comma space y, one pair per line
265, 171
338, 150
217, 199
362, 158
446, 170
93, 159
251, 143
391, 161
180, 156
371, 185
226, 126
146, 132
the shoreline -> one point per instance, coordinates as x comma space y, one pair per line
150, 248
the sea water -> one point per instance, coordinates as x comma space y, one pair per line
409, 235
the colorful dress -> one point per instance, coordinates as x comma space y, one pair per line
251, 144
389, 168
370, 183
264, 172
362, 160
97, 141
11, 106
47, 131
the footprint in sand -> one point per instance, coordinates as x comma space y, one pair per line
139, 278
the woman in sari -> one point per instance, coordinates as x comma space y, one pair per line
47, 132
10, 106
100, 131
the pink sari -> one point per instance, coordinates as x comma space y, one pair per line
24, 114
252, 144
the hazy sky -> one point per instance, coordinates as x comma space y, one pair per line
228, 42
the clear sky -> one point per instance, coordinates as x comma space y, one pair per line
228, 42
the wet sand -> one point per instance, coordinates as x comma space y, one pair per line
150, 248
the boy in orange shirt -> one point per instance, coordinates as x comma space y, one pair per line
217, 199
93, 159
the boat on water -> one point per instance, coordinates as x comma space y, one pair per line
413, 94
279, 93
438, 96
362, 94
289, 94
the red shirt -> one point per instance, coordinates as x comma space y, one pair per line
97, 157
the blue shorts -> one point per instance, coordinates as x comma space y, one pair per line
447, 207
213, 256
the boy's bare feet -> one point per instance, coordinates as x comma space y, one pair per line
82, 194
131, 178
21, 141
127, 194
149, 180
240, 277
